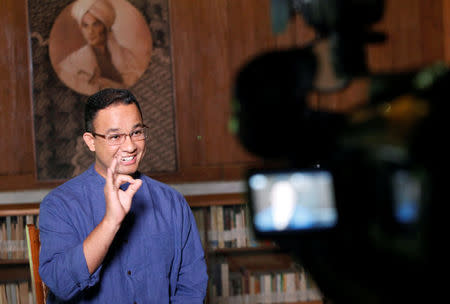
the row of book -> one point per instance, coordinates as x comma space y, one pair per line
282, 286
16, 293
226, 226
13, 235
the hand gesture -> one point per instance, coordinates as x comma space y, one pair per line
118, 202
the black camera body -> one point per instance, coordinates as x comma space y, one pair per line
369, 210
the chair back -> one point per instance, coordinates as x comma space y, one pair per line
40, 290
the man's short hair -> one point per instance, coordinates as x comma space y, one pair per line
103, 99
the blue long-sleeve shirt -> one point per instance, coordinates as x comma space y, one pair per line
156, 257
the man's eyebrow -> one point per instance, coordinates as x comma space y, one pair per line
112, 130
140, 124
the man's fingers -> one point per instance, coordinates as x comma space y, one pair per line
111, 171
134, 186
122, 179
115, 163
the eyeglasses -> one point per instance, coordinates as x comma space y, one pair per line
116, 139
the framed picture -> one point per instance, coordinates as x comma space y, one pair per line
79, 47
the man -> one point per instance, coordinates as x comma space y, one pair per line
112, 234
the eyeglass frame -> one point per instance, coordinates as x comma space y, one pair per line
123, 135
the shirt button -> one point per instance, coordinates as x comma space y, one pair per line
129, 272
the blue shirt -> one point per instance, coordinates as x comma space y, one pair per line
156, 257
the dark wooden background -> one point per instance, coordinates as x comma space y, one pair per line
211, 39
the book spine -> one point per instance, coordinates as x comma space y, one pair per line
212, 227
220, 227
225, 280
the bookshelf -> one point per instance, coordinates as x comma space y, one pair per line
251, 270
15, 277
241, 268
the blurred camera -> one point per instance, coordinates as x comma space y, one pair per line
361, 196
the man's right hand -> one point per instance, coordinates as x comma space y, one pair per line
118, 201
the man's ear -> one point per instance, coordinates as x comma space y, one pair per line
89, 140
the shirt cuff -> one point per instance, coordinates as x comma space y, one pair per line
79, 269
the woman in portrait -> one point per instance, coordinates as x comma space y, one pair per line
102, 62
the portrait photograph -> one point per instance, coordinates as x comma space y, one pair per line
80, 47
110, 45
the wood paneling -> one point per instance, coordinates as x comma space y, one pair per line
446, 29
210, 44
211, 40
16, 147
432, 27
414, 37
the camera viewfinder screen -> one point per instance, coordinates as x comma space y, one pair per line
292, 201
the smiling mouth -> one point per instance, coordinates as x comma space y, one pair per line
127, 159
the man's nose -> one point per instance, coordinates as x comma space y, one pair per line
128, 145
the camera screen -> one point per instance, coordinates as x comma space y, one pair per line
292, 201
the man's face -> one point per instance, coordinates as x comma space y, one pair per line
93, 30
116, 119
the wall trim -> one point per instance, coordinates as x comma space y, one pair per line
199, 188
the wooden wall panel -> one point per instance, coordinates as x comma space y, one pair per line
248, 35
16, 149
415, 35
218, 38
379, 55
414, 31
405, 34
211, 40
446, 29
432, 26
215, 83
183, 18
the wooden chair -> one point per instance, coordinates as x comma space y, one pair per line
40, 290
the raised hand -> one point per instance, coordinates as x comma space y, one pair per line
118, 202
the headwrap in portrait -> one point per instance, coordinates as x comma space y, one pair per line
100, 9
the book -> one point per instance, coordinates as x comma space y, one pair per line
252, 285
3, 298
227, 227
220, 227
9, 236
199, 216
236, 284
225, 279
20, 237
24, 292
212, 227
266, 284
11, 293
290, 294
3, 239
29, 219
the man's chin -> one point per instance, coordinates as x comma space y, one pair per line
131, 170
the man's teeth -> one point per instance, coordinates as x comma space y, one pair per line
127, 158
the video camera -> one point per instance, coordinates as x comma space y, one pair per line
359, 200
